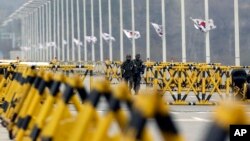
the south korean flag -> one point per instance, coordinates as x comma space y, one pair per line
130, 34
158, 28
91, 39
107, 37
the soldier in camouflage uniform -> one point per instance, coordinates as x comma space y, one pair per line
127, 70
138, 71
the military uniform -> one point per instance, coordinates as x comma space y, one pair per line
127, 69
138, 71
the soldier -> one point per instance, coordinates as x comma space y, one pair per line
139, 70
127, 70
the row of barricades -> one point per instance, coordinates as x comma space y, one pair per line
37, 105
179, 80
201, 80
67, 69
183, 79
113, 71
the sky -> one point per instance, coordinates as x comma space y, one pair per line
221, 39
8, 6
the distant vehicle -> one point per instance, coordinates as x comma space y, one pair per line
203, 25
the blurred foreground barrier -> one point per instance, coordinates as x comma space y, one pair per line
225, 115
151, 107
38, 104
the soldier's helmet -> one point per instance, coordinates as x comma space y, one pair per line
128, 57
137, 56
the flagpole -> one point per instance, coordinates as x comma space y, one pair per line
58, 30
28, 36
100, 27
207, 34
67, 21
22, 33
30, 40
43, 20
183, 33
50, 34
25, 35
72, 31
121, 31
92, 30
40, 33
236, 32
110, 32
35, 35
54, 27
47, 30
32, 35
84, 31
148, 29
35, 45
62, 25
78, 31
133, 28
164, 50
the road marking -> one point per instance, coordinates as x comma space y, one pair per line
193, 119
201, 119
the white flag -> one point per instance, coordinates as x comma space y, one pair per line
91, 39
77, 42
51, 44
130, 34
158, 28
203, 25
107, 37
65, 42
25, 48
40, 46
48, 44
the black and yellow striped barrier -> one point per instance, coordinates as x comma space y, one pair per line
148, 106
113, 71
225, 115
37, 105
